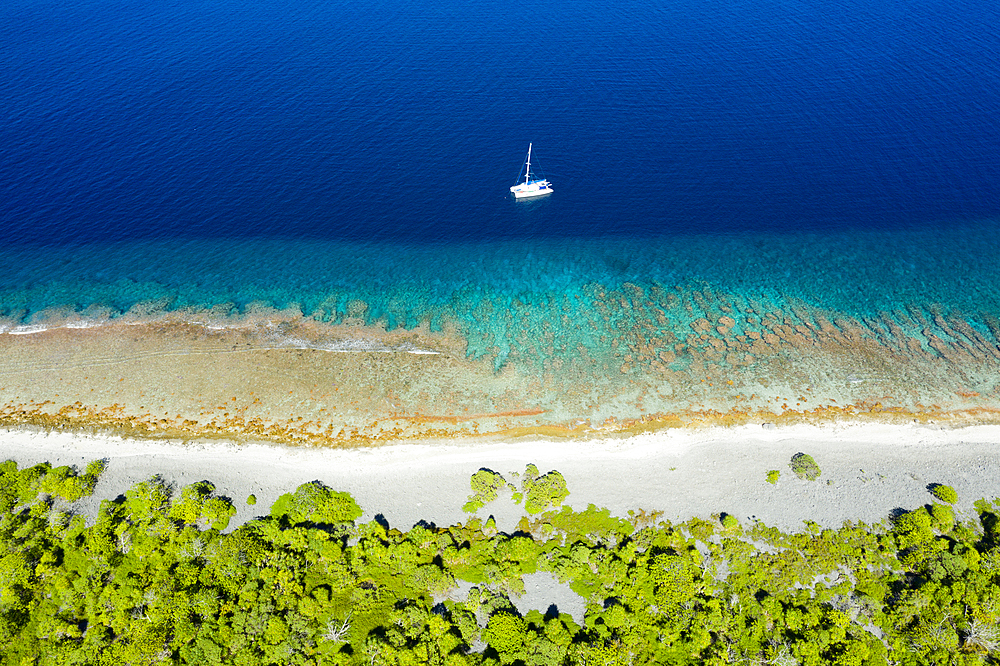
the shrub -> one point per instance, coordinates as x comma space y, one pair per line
64, 482
547, 490
96, 467
472, 506
187, 509
530, 474
313, 502
485, 484
804, 466
772, 476
217, 511
944, 493
196, 505
592, 523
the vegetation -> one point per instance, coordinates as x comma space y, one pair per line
944, 493
155, 578
542, 492
772, 476
804, 466
485, 485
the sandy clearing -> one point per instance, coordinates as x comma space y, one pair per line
868, 470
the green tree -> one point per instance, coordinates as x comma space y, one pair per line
506, 633
151, 581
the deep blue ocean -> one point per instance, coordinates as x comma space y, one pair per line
177, 154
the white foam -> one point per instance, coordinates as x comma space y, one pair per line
27, 329
352, 346
84, 323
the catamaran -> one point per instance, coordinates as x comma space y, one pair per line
530, 188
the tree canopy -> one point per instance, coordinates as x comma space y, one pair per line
156, 578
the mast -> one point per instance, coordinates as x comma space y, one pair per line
527, 171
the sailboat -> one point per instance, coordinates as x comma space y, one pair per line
530, 188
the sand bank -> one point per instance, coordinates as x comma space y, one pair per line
868, 470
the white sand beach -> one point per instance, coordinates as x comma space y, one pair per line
867, 471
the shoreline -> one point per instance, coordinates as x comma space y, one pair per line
868, 471
626, 361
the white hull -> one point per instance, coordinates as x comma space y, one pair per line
537, 192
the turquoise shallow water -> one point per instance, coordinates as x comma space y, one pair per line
506, 297
858, 273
